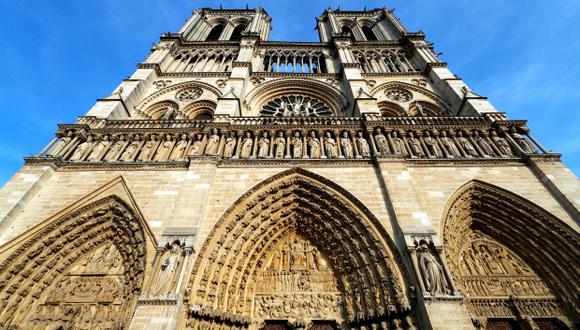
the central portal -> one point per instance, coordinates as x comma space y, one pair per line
297, 284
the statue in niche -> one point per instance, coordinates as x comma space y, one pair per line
381, 141
247, 145
131, 150
432, 145
483, 144
99, 149
115, 149
415, 145
467, 146
263, 145
501, 144
213, 143
164, 148
330, 146
230, 145
169, 114
363, 145
60, 145
178, 152
346, 145
197, 146
170, 261
280, 144
148, 149
526, 145
314, 145
449, 145
297, 145
399, 147
80, 150
432, 271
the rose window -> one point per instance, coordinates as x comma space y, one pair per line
399, 95
296, 106
188, 94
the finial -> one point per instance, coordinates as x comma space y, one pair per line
365, 9
221, 7
247, 7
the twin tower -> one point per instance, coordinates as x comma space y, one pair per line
233, 182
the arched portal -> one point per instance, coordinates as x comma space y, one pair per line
297, 247
512, 260
82, 270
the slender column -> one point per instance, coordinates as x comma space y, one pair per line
305, 147
271, 146
514, 144
417, 271
535, 142
447, 273
492, 145
238, 147
288, 140
481, 153
255, 146
355, 146
339, 147
321, 139
373, 145
222, 144
48, 146
70, 148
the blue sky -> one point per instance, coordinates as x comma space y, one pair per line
58, 57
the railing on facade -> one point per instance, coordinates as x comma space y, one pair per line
384, 60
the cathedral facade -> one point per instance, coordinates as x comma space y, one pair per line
234, 182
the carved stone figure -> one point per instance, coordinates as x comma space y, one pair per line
197, 146
432, 271
346, 145
450, 146
213, 143
330, 146
297, 146
60, 145
263, 145
230, 146
131, 150
99, 149
415, 145
164, 149
501, 144
81, 149
381, 142
113, 152
399, 147
314, 145
247, 145
483, 144
178, 152
362, 145
432, 145
169, 266
467, 146
526, 145
148, 149
280, 144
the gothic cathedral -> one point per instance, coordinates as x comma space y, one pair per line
234, 182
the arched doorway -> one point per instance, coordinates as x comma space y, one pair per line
516, 264
82, 270
298, 250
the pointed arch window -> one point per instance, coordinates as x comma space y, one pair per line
369, 34
347, 31
237, 33
215, 33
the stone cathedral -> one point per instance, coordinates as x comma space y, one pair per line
237, 183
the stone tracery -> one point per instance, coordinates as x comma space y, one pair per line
296, 106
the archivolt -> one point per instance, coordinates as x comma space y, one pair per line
362, 255
419, 90
257, 98
33, 266
541, 240
160, 95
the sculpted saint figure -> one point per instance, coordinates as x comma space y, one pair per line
415, 145
247, 145
147, 149
80, 150
362, 144
263, 145
230, 145
280, 144
297, 145
131, 150
399, 145
432, 271
382, 142
522, 142
432, 145
314, 145
449, 146
346, 145
98, 150
483, 144
164, 148
115, 149
167, 271
213, 143
60, 145
197, 147
466, 145
330, 146
178, 152
501, 144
